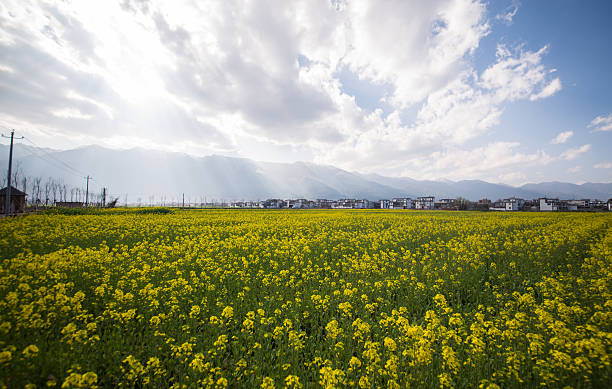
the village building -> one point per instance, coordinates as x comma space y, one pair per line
273, 203
323, 203
484, 204
598, 204
17, 201
549, 204
514, 204
301, 204
364, 204
401, 203
579, 204
425, 202
344, 204
446, 204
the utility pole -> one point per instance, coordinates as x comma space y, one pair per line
87, 192
103, 197
10, 166
183, 200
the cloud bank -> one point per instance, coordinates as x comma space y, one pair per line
235, 78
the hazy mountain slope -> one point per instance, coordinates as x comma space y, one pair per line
567, 191
471, 189
140, 173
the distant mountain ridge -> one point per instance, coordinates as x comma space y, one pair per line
141, 173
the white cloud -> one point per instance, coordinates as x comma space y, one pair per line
570, 154
513, 178
603, 165
519, 77
562, 137
71, 113
509, 13
602, 123
226, 75
466, 108
553, 87
574, 169
479, 161
416, 57
8, 69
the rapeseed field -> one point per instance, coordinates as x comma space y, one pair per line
302, 299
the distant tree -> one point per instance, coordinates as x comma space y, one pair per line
112, 203
24, 184
36, 190
47, 188
462, 204
17, 173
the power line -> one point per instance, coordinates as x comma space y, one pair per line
52, 162
55, 158
51, 159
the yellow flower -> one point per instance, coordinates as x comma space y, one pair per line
364, 382
5, 356
195, 311
5, 327
31, 351
221, 383
293, 381
228, 312
333, 331
268, 383
390, 344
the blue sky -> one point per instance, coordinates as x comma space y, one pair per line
503, 91
577, 34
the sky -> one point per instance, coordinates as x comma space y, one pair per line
503, 91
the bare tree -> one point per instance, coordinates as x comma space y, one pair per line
36, 190
24, 185
47, 188
17, 172
54, 190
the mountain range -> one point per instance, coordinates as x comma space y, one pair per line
141, 173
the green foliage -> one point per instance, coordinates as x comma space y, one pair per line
104, 211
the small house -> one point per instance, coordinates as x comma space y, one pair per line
17, 201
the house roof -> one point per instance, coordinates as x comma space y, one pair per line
14, 192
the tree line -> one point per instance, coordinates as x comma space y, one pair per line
49, 191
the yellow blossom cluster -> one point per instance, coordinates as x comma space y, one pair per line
310, 298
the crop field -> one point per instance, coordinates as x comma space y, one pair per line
262, 298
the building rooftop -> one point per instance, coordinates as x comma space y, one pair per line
14, 192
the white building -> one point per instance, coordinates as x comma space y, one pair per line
549, 204
344, 204
513, 204
425, 202
385, 204
363, 204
